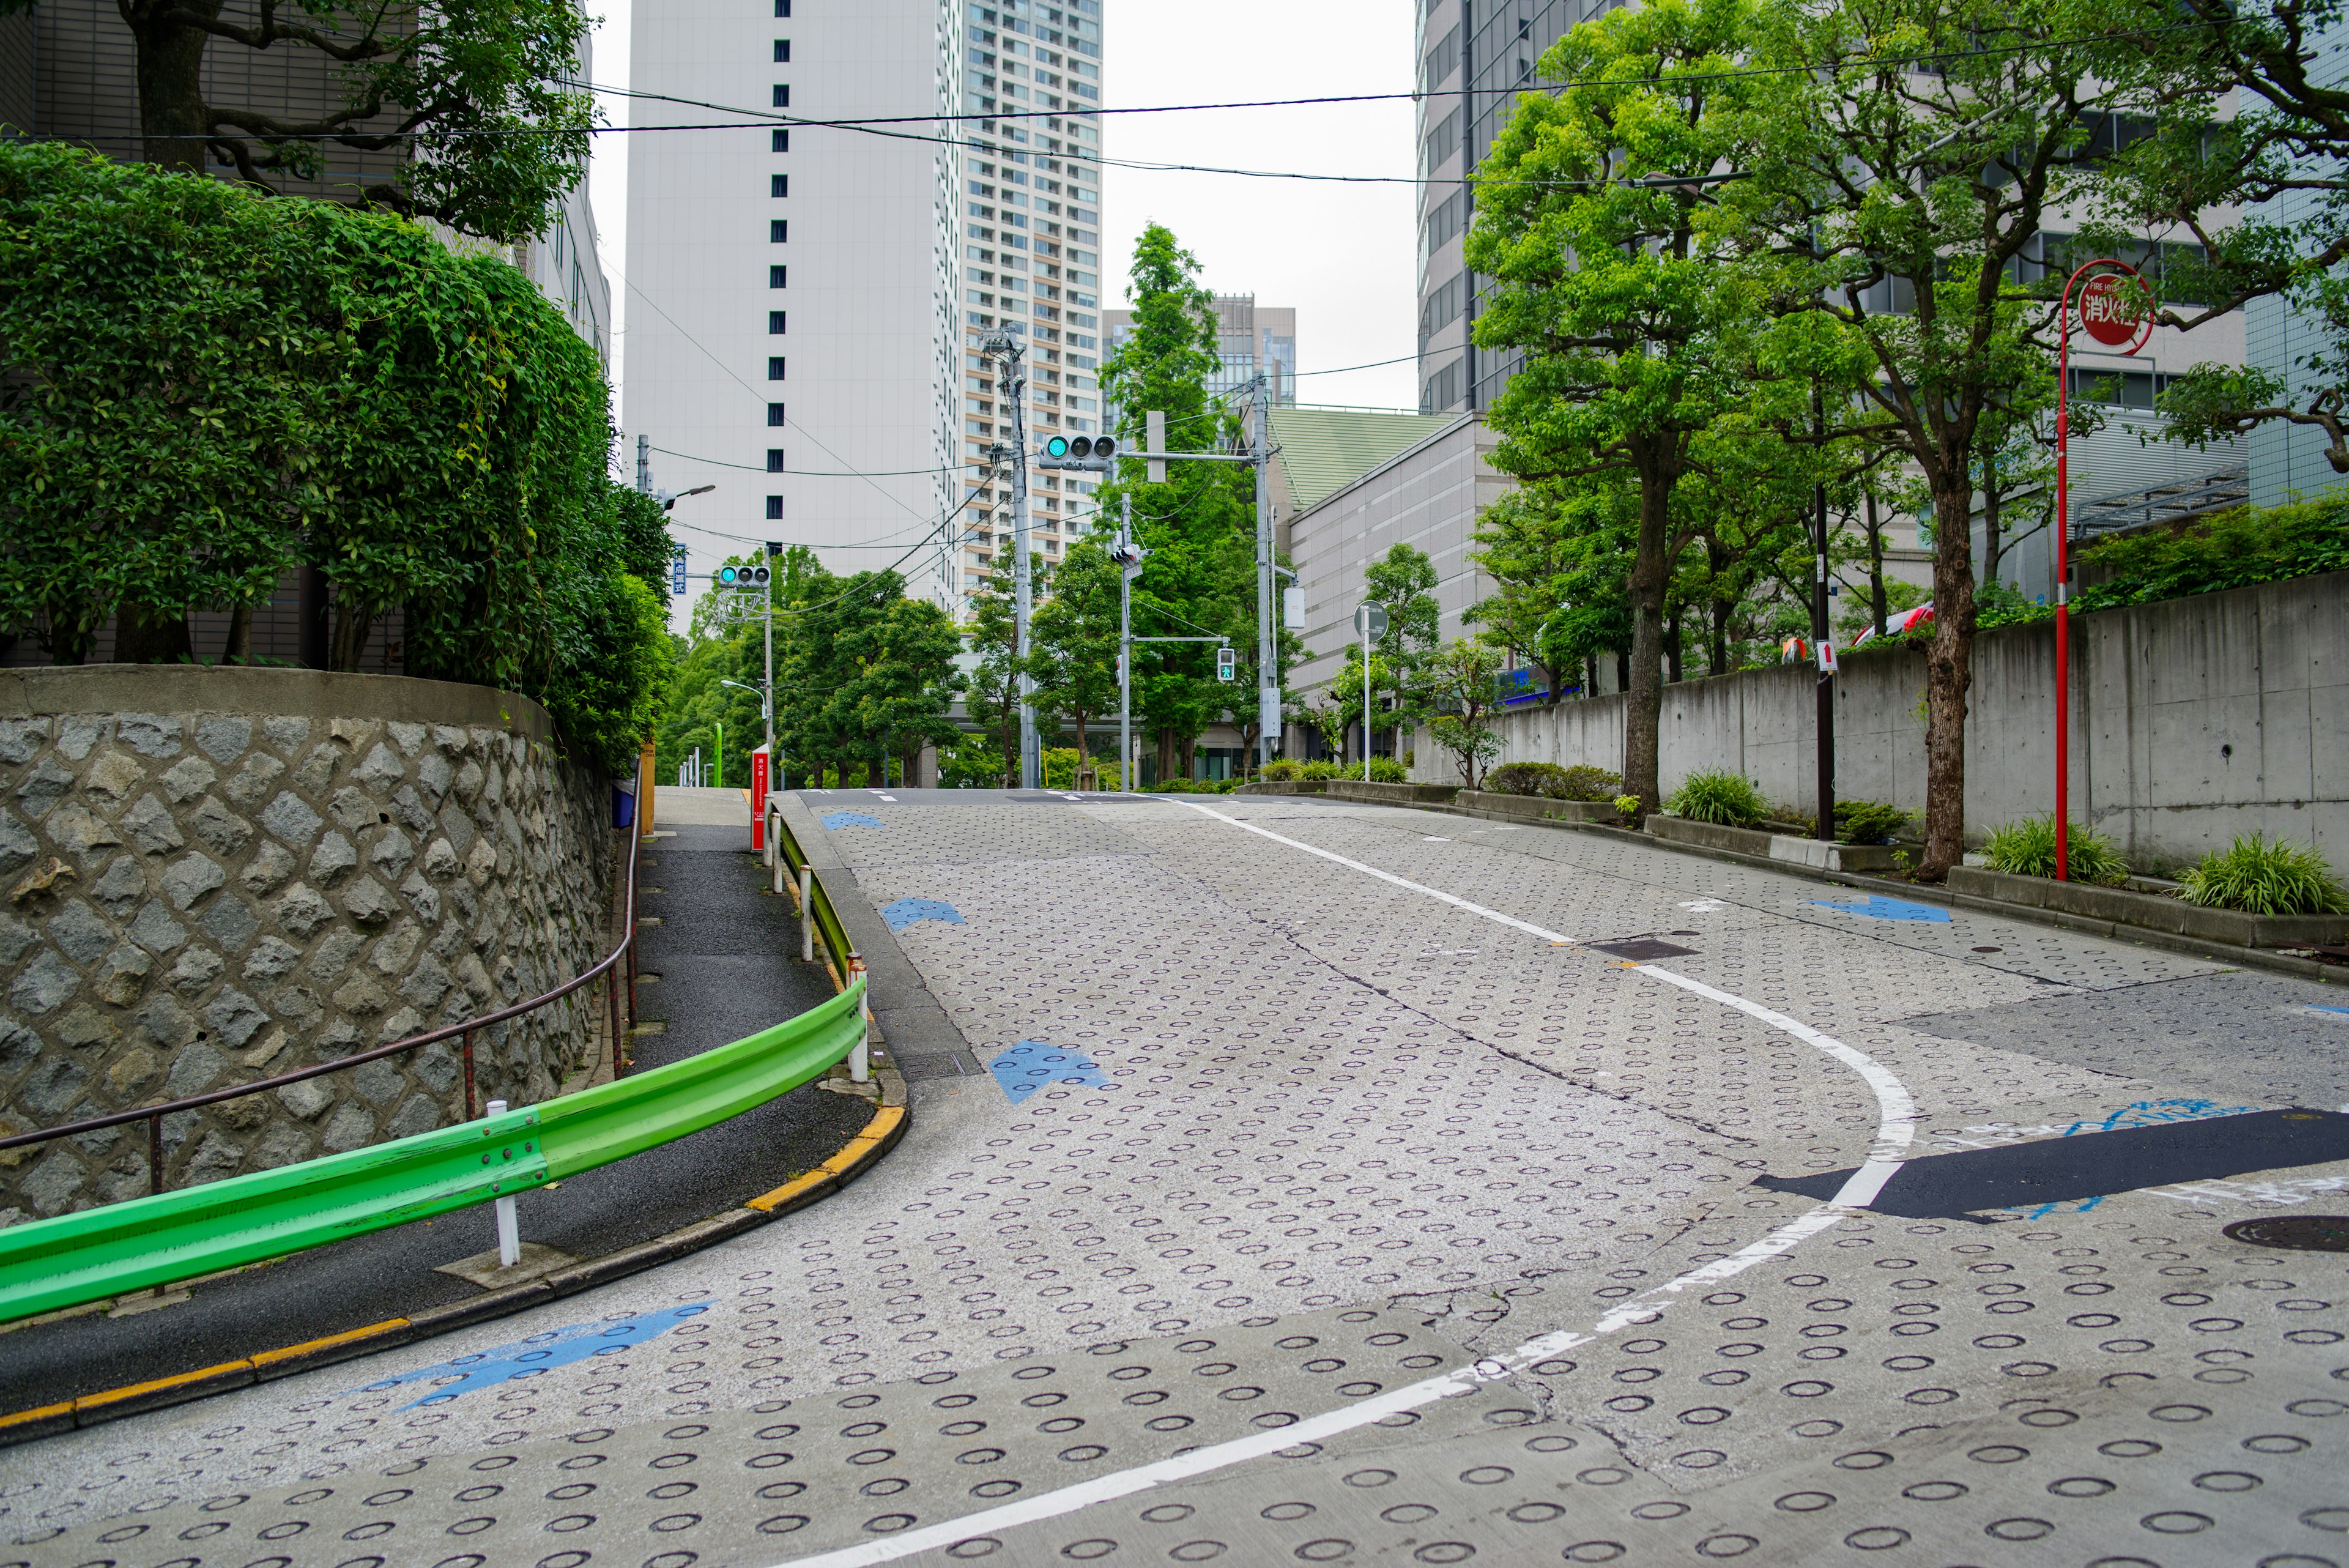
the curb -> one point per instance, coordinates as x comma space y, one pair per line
2112, 931
879, 1135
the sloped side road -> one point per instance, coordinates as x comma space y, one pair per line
722, 962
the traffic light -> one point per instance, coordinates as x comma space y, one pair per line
744, 577
1227, 664
1093, 453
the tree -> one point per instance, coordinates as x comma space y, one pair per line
991, 696
1075, 631
1403, 580
1199, 526
473, 106
1902, 158
1461, 675
869, 673
1591, 220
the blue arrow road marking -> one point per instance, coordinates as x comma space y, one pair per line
850, 819
2342, 1010
1032, 1064
1880, 908
906, 911
539, 1353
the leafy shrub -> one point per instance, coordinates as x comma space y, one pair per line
1386, 769
1525, 778
2265, 876
1585, 782
1627, 805
1282, 770
1868, 821
1320, 770
1718, 796
2027, 848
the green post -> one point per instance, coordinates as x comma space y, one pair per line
717, 772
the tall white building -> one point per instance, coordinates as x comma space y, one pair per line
1030, 253
794, 335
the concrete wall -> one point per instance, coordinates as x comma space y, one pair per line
2194, 719
221, 874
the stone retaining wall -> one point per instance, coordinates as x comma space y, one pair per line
209, 876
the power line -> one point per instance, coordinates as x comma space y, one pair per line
817, 472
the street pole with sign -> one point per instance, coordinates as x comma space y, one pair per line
2116, 315
1369, 624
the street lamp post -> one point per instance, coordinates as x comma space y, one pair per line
1370, 624
2115, 315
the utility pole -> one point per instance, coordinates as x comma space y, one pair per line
1128, 556
645, 464
1821, 633
1267, 628
1011, 387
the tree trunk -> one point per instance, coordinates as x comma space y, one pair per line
1166, 755
1651, 577
1187, 754
172, 115
351, 629
1672, 646
1948, 674
238, 648
1876, 564
1994, 544
143, 636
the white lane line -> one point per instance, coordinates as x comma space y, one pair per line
1896, 1127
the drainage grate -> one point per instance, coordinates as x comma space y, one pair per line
1642, 949
2300, 1232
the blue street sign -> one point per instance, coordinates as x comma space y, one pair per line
677, 574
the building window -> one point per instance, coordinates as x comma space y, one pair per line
774, 461
774, 322
782, 141
774, 414
783, 95
774, 368
784, 8
778, 277
782, 51
779, 185
774, 508
779, 231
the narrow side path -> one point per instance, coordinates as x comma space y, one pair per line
719, 960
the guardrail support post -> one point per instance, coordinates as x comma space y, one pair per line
154, 1155
509, 1228
807, 914
468, 1075
860, 1060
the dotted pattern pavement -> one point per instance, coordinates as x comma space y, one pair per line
1352, 1138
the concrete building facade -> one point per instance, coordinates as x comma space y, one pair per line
1028, 233
794, 331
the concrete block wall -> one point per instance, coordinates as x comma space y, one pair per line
214, 876
2194, 719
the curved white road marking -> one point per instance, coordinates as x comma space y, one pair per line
1895, 1126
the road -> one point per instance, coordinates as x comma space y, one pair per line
1336, 1194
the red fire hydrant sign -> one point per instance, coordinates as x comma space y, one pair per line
759, 799
2113, 309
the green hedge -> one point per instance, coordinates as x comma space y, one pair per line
202, 389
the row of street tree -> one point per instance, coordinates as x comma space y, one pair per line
1757, 252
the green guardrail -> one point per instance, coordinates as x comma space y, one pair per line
827, 918
99, 1252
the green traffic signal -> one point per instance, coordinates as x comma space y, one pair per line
1057, 447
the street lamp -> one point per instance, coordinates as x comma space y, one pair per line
2115, 313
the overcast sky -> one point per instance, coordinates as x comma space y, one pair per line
1341, 255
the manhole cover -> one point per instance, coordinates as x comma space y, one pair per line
1642, 949
2300, 1232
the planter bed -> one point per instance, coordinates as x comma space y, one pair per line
1377, 793
1283, 786
2152, 910
1532, 808
1781, 847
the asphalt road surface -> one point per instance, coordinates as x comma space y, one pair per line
1348, 1184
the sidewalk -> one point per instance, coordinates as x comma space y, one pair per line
718, 961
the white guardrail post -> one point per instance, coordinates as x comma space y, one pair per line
860, 1060
509, 1225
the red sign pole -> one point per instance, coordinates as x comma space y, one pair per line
759, 799
2114, 314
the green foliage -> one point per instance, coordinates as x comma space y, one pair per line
1321, 770
1460, 685
970, 761
1281, 771
1718, 796
1628, 807
1586, 782
1525, 778
1870, 821
2233, 550
203, 389
1075, 634
2265, 876
2027, 848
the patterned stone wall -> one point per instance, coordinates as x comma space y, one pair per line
216, 876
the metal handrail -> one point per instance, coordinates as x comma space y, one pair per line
153, 1115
